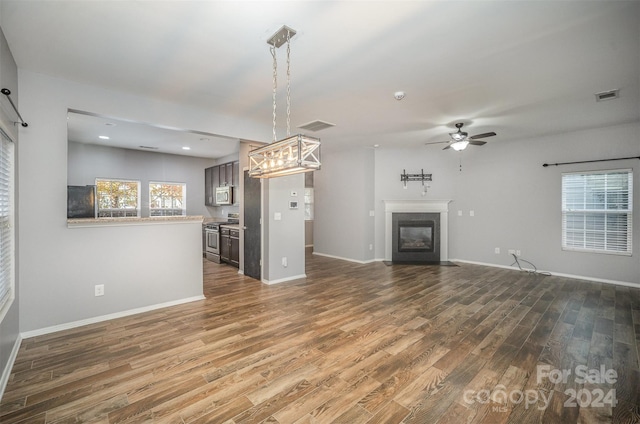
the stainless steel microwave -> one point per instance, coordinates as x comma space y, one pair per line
224, 195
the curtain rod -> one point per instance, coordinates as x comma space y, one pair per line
7, 93
588, 161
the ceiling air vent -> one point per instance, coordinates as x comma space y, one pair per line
316, 125
148, 147
607, 95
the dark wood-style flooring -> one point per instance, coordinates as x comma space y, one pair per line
349, 344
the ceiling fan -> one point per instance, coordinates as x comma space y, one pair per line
460, 140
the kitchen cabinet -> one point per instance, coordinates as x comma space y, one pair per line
226, 174
230, 245
234, 247
209, 190
236, 174
225, 245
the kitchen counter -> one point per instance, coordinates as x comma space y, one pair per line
229, 225
117, 222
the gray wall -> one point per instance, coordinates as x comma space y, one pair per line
284, 237
58, 265
9, 327
343, 191
515, 200
88, 161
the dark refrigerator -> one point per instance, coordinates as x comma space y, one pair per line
81, 201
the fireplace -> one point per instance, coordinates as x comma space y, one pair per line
416, 237
414, 211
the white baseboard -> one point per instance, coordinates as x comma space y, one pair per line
557, 274
4, 379
282, 280
345, 259
75, 324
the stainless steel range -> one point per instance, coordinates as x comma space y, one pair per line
212, 241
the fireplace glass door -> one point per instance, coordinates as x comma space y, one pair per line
415, 236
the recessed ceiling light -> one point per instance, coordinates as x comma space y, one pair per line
103, 137
186, 148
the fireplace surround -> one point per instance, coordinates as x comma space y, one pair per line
432, 208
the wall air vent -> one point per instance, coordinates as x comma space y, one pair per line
148, 147
316, 125
607, 95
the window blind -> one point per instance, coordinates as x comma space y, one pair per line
597, 211
7, 242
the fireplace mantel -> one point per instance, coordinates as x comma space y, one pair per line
408, 206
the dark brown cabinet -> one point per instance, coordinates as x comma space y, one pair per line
227, 174
230, 245
209, 190
225, 246
234, 247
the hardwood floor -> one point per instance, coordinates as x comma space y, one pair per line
349, 344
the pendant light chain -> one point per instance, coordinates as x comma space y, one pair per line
275, 86
288, 83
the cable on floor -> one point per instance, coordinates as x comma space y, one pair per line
529, 271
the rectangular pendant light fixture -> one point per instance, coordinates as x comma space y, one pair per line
292, 155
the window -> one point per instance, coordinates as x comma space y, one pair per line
167, 199
308, 204
7, 238
118, 198
597, 211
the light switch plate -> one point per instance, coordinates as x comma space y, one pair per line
277, 216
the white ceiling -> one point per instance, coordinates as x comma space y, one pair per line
520, 68
89, 128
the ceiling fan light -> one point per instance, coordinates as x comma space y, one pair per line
459, 145
458, 136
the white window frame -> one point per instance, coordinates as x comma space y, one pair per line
118, 211
7, 224
308, 203
585, 227
184, 199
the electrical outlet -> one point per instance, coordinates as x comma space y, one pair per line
371, 247
284, 261
99, 290
518, 253
512, 251
497, 250
472, 213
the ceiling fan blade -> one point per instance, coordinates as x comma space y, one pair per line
435, 142
448, 146
483, 135
477, 142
